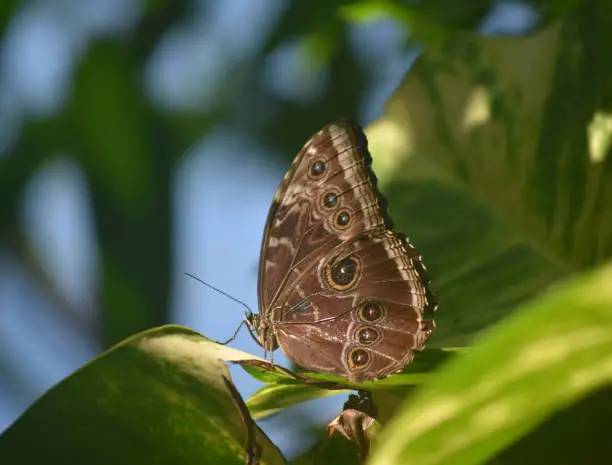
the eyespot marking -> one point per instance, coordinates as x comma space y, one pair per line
342, 219
330, 199
343, 274
317, 168
358, 359
367, 335
371, 312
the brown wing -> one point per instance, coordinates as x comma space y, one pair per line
330, 183
357, 311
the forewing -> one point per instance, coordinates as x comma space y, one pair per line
330, 183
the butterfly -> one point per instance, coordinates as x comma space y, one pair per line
340, 292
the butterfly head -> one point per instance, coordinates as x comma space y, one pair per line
252, 321
260, 331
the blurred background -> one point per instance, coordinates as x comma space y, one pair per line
142, 139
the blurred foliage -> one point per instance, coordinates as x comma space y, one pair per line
491, 154
129, 148
551, 353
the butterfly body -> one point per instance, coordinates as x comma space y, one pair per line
339, 291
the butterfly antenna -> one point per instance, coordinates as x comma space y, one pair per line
221, 292
249, 312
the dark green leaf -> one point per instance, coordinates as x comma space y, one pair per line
159, 397
550, 354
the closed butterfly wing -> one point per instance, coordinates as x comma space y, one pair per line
358, 311
327, 196
340, 291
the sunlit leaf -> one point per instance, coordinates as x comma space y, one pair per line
488, 171
551, 353
270, 399
162, 396
284, 390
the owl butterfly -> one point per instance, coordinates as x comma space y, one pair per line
339, 291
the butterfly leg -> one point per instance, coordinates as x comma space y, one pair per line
234, 335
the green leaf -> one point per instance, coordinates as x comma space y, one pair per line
285, 391
162, 396
550, 354
115, 153
484, 154
334, 450
589, 441
427, 21
275, 397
